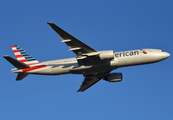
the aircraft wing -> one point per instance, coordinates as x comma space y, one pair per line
90, 80
79, 48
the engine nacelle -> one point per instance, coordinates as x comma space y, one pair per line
114, 77
106, 54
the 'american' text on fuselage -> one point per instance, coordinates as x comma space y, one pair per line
128, 53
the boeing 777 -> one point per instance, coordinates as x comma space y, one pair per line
94, 65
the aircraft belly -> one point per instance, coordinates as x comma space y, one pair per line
61, 70
91, 69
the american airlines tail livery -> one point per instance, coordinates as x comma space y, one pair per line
94, 65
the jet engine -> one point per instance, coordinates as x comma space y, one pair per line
114, 77
106, 54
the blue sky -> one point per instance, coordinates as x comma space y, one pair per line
145, 92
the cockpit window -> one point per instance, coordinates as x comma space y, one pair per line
162, 50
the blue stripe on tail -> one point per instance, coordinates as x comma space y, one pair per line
27, 56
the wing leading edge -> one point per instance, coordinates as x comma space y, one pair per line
75, 45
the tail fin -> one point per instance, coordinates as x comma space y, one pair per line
23, 56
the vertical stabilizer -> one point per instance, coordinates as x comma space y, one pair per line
23, 56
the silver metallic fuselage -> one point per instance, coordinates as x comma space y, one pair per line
121, 59
92, 64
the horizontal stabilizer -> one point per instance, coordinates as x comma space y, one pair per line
20, 76
18, 64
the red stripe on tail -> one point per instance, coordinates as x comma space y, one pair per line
15, 51
12, 46
18, 56
24, 60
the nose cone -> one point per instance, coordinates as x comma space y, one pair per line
165, 55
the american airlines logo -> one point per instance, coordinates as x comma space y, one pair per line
144, 52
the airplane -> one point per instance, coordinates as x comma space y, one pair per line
94, 65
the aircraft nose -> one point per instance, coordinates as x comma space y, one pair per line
165, 55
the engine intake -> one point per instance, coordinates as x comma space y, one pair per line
106, 54
114, 77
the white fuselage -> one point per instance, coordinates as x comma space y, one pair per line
121, 59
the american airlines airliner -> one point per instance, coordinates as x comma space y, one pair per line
92, 64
